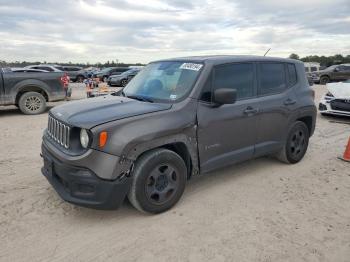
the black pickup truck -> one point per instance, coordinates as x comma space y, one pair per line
31, 90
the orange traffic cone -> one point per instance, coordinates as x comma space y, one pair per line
346, 156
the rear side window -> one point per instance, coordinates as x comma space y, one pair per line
236, 76
271, 78
292, 74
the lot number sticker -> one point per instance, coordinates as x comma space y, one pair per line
191, 66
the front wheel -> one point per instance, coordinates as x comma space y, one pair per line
32, 103
296, 144
324, 80
159, 180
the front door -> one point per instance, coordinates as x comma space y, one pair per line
343, 72
227, 134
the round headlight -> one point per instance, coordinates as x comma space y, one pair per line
84, 138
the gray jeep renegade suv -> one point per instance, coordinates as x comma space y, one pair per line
176, 119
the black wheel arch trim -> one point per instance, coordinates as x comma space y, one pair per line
30, 83
190, 144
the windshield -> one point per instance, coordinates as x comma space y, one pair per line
128, 72
331, 67
105, 70
164, 81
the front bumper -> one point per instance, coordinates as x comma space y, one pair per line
325, 108
81, 186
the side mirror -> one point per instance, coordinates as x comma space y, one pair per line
336, 69
224, 96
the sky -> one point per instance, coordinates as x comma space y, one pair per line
143, 31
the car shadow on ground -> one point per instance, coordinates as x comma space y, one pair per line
196, 185
337, 119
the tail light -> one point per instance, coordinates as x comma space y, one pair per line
65, 80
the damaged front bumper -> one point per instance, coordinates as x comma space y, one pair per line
76, 179
331, 106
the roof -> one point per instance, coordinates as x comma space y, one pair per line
221, 59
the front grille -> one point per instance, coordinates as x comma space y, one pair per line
59, 132
341, 105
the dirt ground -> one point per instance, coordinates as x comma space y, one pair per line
260, 210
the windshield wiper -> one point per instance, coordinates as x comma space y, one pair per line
141, 98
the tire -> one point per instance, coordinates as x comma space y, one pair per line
124, 82
32, 103
296, 145
159, 180
324, 80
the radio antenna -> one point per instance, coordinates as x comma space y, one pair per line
268, 50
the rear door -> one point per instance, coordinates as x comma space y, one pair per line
227, 134
277, 100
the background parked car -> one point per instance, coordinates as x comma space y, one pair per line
124, 78
31, 91
75, 73
337, 100
107, 72
332, 73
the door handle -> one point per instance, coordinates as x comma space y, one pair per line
289, 102
250, 111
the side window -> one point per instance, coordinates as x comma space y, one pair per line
271, 78
343, 68
45, 68
292, 74
236, 76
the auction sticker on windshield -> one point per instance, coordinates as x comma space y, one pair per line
191, 66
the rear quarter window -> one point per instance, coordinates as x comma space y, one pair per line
292, 74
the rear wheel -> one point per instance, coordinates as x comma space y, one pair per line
324, 80
296, 144
32, 103
159, 181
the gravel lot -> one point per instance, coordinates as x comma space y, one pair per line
260, 210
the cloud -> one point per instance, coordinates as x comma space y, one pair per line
142, 31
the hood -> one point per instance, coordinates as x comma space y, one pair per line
339, 90
95, 111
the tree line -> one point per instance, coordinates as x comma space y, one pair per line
324, 60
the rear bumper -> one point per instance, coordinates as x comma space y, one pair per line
81, 186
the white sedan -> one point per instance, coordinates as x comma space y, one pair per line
337, 100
